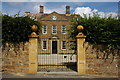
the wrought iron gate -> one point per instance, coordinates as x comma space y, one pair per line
52, 58
57, 62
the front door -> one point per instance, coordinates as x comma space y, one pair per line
54, 47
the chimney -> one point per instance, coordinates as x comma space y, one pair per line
27, 13
41, 9
67, 9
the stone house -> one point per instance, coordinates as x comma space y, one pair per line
55, 26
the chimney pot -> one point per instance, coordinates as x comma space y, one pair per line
27, 13
67, 9
42, 9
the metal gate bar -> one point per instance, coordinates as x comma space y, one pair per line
62, 61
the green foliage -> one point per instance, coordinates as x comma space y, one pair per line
98, 30
17, 29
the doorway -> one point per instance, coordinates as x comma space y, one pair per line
54, 47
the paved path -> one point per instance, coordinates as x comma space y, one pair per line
60, 79
72, 68
54, 76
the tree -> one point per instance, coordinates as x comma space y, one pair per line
98, 30
16, 29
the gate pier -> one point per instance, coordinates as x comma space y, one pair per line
81, 59
33, 51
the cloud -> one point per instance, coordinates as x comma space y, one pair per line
14, 0
81, 10
13, 8
36, 7
112, 14
61, 9
89, 12
14, 3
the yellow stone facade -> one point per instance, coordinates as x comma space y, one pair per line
49, 21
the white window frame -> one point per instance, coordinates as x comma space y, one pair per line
62, 29
44, 29
62, 45
43, 45
52, 29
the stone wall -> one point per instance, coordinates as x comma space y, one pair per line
0, 59
101, 61
15, 57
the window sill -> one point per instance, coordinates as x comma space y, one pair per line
64, 33
54, 33
44, 49
44, 33
63, 49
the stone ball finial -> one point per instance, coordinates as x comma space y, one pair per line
34, 28
80, 28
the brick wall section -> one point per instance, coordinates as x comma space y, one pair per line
15, 59
100, 66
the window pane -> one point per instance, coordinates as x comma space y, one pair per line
44, 45
63, 44
54, 28
44, 29
63, 29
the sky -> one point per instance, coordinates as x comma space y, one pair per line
102, 8
60, 0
